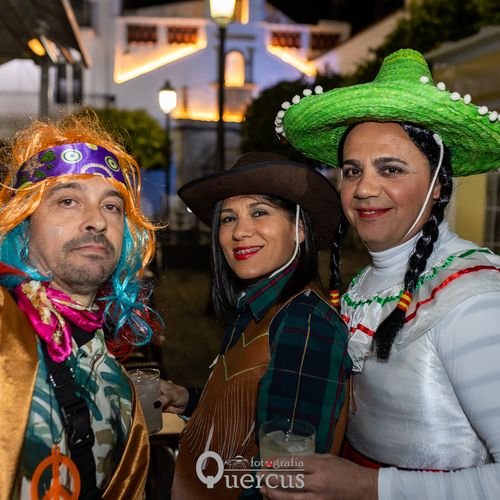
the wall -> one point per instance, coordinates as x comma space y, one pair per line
471, 65
470, 203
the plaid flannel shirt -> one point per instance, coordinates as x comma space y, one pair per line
309, 367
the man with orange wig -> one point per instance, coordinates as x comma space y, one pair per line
73, 248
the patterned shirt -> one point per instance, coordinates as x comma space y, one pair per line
107, 392
309, 367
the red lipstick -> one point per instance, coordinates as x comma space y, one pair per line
243, 253
371, 213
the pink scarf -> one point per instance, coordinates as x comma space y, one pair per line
48, 309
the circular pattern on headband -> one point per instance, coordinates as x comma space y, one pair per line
112, 163
69, 159
71, 156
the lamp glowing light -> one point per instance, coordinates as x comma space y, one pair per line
222, 11
36, 47
167, 98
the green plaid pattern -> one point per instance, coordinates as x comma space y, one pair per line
309, 368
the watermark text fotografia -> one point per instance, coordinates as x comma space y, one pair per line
286, 473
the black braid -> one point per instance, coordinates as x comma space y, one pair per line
335, 252
389, 328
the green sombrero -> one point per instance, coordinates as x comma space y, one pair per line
403, 91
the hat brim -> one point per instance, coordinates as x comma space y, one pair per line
315, 126
291, 181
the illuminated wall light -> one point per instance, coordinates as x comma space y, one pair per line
245, 12
285, 55
140, 69
43, 46
36, 47
206, 116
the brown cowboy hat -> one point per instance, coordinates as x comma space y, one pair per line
274, 175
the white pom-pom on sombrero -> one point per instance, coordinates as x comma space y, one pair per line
403, 91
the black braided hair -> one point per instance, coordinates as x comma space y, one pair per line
335, 252
389, 328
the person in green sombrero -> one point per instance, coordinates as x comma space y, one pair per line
424, 317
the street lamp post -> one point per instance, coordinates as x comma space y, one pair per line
222, 12
167, 98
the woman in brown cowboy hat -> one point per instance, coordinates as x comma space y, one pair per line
424, 317
284, 348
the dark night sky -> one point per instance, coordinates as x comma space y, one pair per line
360, 13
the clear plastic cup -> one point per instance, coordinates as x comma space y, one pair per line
284, 437
147, 385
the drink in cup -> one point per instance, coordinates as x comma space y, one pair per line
147, 386
285, 437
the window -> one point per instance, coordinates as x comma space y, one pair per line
141, 34
235, 69
182, 35
324, 41
285, 39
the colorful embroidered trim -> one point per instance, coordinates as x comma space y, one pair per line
79, 158
427, 276
446, 282
404, 301
451, 278
362, 328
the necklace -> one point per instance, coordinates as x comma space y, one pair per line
56, 490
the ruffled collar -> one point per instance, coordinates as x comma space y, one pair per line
375, 291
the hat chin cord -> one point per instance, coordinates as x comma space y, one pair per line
297, 244
439, 142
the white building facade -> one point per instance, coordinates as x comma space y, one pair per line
133, 53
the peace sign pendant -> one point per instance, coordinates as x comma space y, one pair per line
56, 490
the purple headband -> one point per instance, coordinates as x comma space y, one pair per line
79, 158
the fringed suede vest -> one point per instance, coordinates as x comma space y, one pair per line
224, 420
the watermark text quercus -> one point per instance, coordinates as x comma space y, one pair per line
239, 472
